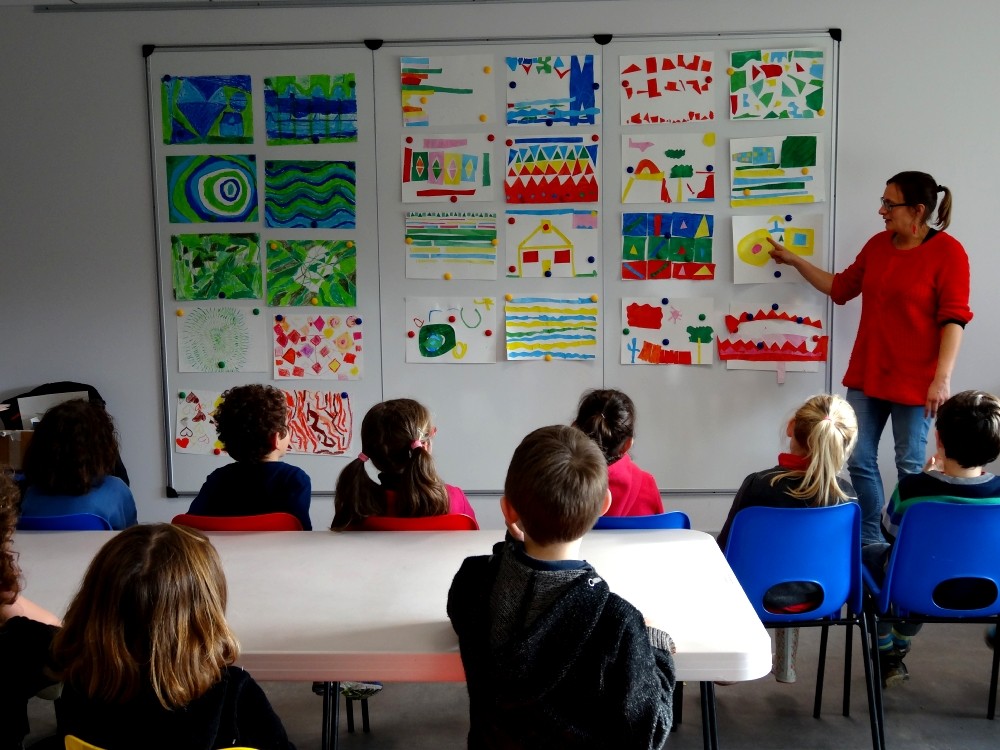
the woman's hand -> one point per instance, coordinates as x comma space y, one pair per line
937, 394
781, 254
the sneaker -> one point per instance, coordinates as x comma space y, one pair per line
989, 635
894, 671
360, 690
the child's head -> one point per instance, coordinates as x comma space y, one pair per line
150, 614
608, 418
557, 483
73, 448
251, 420
968, 428
826, 428
10, 572
396, 437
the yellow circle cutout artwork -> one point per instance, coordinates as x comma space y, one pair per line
708, 139
753, 248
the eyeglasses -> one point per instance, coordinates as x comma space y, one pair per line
888, 205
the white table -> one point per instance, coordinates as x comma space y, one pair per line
318, 606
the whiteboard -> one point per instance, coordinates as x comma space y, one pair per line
700, 428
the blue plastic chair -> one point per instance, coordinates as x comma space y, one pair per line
940, 542
772, 546
675, 519
71, 522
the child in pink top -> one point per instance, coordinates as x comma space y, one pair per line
396, 437
608, 417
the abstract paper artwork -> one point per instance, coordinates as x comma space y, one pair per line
216, 266
801, 233
461, 244
310, 194
668, 168
447, 90
555, 169
776, 169
553, 90
317, 346
667, 245
206, 109
551, 327
552, 242
203, 188
667, 331
320, 422
767, 84
669, 88
220, 339
318, 108
312, 272
194, 429
447, 167
452, 330
768, 337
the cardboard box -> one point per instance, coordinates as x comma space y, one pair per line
13, 446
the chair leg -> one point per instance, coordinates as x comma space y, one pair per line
331, 714
821, 671
873, 678
991, 708
848, 658
678, 705
365, 726
709, 721
349, 705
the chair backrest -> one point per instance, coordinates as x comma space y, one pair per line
940, 542
71, 522
675, 519
447, 522
260, 522
771, 546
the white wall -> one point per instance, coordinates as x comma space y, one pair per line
77, 270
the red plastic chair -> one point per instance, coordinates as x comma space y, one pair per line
447, 522
261, 522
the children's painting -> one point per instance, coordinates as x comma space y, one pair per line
220, 339
778, 169
773, 337
194, 429
320, 108
320, 422
310, 194
216, 266
452, 168
317, 346
203, 188
660, 168
802, 233
675, 245
312, 272
451, 245
553, 90
776, 84
551, 327
668, 88
667, 331
451, 330
553, 242
554, 169
447, 90
206, 109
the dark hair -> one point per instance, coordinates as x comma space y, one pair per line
607, 416
249, 417
73, 448
388, 433
919, 188
557, 481
968, 426
10, 571
149, 616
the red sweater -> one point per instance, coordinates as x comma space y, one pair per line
908, 295
633, 491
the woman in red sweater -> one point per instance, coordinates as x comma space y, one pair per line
914, 285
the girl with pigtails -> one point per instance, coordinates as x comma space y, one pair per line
396, 437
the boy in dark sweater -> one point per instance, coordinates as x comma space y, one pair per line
552, 658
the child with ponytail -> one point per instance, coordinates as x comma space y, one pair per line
821, 434
396, 438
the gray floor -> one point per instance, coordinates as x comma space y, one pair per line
942, 706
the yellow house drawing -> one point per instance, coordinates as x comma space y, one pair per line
546, 251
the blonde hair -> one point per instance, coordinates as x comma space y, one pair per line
150, 614
827, 428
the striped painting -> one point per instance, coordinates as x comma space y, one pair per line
463, 245
550, 328
310, 194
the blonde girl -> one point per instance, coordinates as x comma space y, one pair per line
396, 438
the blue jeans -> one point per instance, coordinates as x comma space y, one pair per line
909, 431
